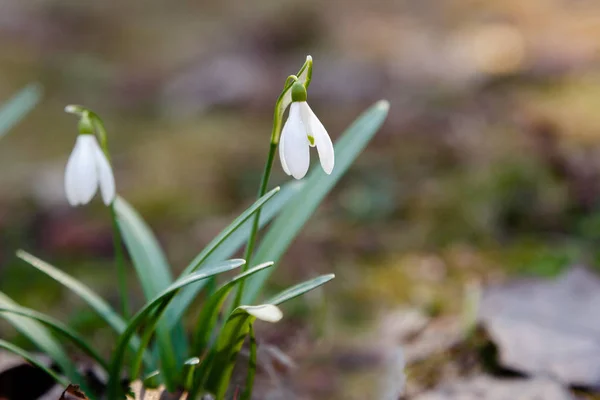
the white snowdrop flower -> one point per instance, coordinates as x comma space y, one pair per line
301, 131
87, 169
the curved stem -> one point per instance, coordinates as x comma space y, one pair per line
255, 221
118, 249
263, 189
281, 105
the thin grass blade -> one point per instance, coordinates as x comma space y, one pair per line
13, 110
97, 303
41, 338
300, 289
251, 373
34, 361
59, 327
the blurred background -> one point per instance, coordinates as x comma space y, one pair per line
485, 171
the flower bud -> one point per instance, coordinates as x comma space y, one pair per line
85, 125
298, 92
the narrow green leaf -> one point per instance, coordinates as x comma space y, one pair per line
59, 327
159, 302
247, 395
229, 344
300, 289
225, 233
152, 380
228, 242
148, 258
42, 338
34, 361
154, 274
18, 106
188, 373
207, 319
97, 303
136, 364
268, 211
200, 376
289, 223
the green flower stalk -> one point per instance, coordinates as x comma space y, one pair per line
87, 170
294, 92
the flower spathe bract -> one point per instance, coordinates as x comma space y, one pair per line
87, 169
301, 131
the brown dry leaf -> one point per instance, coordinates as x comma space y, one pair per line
488, 388
72, 392
159, 393
548, 327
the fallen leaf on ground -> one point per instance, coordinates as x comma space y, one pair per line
548, 327
72, 392
488, 388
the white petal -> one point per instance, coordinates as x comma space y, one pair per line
295, 146
305, 115
322, 140
264, 312
71, 175
105, 176
86, 176
281, 155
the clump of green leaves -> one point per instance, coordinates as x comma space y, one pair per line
152, 345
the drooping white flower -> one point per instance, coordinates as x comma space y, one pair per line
87, 169
301, 131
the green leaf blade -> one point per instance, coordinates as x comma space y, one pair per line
154, 274
252, 362
27, 356
41, 338
15, 109
97, 303
58, 326
148, 257
300, 289
227, 349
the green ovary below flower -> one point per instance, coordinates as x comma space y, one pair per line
301, 131
87, 169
